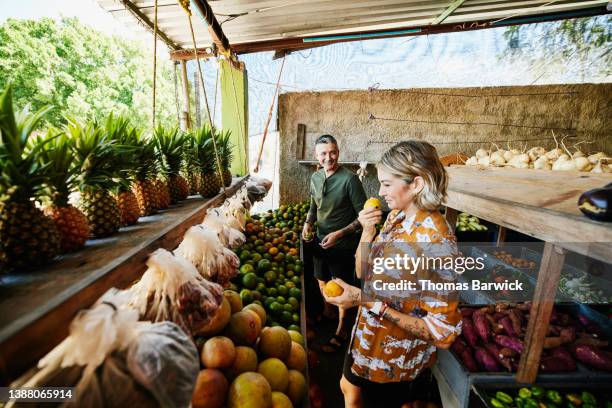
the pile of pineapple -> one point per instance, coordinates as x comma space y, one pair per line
117, 172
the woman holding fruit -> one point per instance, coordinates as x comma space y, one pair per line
395, 339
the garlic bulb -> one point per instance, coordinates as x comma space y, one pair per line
542, 163
481, 153
472, 161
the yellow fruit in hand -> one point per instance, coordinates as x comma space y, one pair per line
332, 289
372, 203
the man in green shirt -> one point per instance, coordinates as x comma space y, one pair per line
336, 197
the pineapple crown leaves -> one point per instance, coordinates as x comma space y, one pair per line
146, 163
169, 144
123, 133
225, 148
204, 149
22, 176
96, 156
58, 156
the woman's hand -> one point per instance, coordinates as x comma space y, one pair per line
368, 218
348, 299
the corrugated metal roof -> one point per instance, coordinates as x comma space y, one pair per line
256, 21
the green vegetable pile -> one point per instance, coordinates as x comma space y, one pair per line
538, 397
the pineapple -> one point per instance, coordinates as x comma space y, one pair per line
96, 158
170, 147
128, 207
163, 193
225, 156
123, 133
210, 183
58, 157
146, 192
28, 238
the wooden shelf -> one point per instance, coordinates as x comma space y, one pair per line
542, 204
36, 308
538, 203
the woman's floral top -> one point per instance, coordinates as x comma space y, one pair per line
382, 351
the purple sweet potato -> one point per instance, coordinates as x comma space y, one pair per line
468, 360
510, 342
507, 325
467, 312
507, 352
468, 332
494, 325
516, 319
481, 324
458, 346
593, 357
495, 351
555, 365
486, 360
561, 353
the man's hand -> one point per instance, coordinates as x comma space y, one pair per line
368, 218
307, 232
330, 239
348, 299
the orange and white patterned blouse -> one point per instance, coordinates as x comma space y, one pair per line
381, 350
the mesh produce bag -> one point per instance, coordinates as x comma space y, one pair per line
113, 360
172, 289
205, 251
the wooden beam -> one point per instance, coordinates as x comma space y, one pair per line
214, 28
451, 217
450, 10
185, 117
140, 16
553, 259
187, 55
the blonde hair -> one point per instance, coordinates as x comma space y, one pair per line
413, 158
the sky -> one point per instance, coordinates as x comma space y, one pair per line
87, 11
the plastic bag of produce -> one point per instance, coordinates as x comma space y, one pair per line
114, 360
205, 251
172, 289
226, 226
165, 361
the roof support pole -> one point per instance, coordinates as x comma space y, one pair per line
185, 117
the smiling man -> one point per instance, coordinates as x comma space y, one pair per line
336, 197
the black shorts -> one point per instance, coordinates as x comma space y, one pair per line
333, 263
391, 394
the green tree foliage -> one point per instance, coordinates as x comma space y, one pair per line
83, 73
581, 45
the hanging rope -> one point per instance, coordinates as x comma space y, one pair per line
154, 61
263, 140
176, 95
185, 5
240, 123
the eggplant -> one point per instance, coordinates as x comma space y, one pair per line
597, 203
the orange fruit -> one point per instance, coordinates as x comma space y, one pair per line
332, 289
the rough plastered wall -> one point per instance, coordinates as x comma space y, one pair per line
441, 116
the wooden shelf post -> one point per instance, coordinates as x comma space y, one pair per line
553, 259
451, 217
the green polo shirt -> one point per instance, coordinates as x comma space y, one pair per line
335, 202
